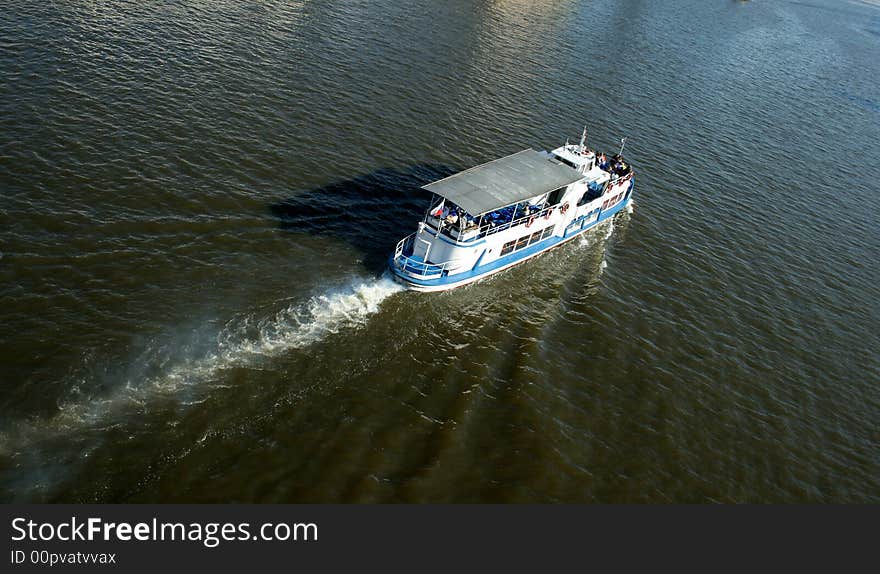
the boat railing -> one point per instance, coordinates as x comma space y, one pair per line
489, 228
468, 234
615, 179
414, 266
404, 244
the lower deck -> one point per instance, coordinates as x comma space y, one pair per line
440, 280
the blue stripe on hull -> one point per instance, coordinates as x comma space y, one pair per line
450, 281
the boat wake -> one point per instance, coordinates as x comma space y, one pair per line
174, 371
603, 233
301, 325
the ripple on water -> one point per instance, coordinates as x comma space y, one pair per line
189, 190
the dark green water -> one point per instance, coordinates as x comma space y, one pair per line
198, 199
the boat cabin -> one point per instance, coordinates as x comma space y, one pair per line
492, 215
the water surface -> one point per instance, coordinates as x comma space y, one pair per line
198, 199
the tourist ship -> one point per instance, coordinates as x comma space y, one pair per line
496, 215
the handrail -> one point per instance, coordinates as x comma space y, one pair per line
414, 266
403, 244
489, 229
621, 178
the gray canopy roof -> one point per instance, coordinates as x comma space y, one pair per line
504, 181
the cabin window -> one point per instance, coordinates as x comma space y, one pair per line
526, 241
565, 161
556, 195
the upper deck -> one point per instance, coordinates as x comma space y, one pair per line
504, 182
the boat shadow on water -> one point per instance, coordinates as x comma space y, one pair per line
371, 211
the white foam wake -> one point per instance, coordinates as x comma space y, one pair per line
245, 341
299, 326
599, 234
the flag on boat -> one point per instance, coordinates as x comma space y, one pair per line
438, 211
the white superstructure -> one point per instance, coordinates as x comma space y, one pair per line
496, 215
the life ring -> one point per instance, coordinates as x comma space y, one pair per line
563, 209
530, 221
548, 214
